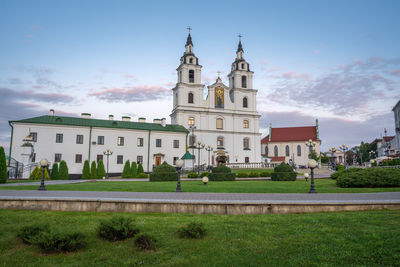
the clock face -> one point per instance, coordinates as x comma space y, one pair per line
219, 97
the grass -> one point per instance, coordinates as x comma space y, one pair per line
321, 239
21, 181
299, 186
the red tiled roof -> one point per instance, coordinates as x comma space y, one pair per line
292, 134
277, 159
388, 138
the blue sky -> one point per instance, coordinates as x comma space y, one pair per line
337, 61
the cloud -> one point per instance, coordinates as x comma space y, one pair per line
132, 93
395, 72
9, 95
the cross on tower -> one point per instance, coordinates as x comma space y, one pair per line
189, 29
240, 37
219, 72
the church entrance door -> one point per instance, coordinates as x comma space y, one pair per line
158, 161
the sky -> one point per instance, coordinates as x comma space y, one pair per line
335, 61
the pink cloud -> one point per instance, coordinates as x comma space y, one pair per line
395, 72
132, 93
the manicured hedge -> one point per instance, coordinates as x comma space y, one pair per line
370, 177
336, 174
164, 172
192, 175
221, 173
283, 172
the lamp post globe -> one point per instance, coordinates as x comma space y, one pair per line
312, 164
43, 163
179, 164
306, 176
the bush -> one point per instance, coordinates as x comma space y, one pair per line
254, 174
54, 171
192, 230
370, 177
140, 169
142, 175
29, 234
283, 172
339, 167
57, 241
192, 175
126, 173
63, 171
221, 169
242, 175
86, 170
37, 174
336, 174
101, 172
117, 228
164, 172
3, 166
134, 170
203, 174
265, 174
93, 170
221, 173
145, 242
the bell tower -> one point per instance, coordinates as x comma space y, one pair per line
240, 75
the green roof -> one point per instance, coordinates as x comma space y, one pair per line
73, 121
187, 156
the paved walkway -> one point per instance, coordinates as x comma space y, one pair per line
218, 198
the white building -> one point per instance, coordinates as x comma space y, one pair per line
396, 143
227, 119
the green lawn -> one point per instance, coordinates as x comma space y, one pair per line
299, 186
321, 239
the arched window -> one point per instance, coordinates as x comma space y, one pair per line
287, 152
266, 150
191, 121
242, 66
191, 76
246, 160
276, 151
220, 142
298, 150
245, 102
190, 98
191, 60
244, 81
246, 124
220, 124
246, 143
192, 140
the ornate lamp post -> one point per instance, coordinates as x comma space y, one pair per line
198, 146
333, 160
192, 128
43, 163
108, 153
312, 164
179, 164
209, 149
343, 148
371, 154
310, 144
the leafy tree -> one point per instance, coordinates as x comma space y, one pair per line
140, 169
133, 170
93, 170
86, 170
3, 166
100, 170
63, 171
54, 171
126, 173
313, 155
324, 158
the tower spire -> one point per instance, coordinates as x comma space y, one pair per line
189, 38
240, 48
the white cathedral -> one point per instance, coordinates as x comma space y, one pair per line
226, 120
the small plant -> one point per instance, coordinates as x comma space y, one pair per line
339, 167
117, 228
203, 174
192, 230
192, 175
30, 233
57, 241
145, 242
142, 175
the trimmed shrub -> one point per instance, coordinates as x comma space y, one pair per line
192, 175
126, 173
117, 228
57, 241
370, 177
265, 174
336, 174
54, 171
93, 170
101, 172
63, 171
203, 174
37, 174
29, 234
283, 172
339, 167
140, 169
254, 174
164, 172
145, 242
192, 230
142, 175
86, 170
221, 173
242, 175
133, 169
3, 166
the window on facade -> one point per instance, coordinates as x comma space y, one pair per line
140, 142
139, 160
120, 159
100, 140
220, 141
99, 157
34, 136
158, 142
120, 141
79, 139
245, 102
176, 143
192, 140
191, 76
287, 152
175, 159
246, 143
78, 158
191, 60
34, 157
220, 124
191, 121
246, 160
244, 82
190, 98
298, 150
57, 157
246, 124
59, 138
276, 151
266, 150
242, 66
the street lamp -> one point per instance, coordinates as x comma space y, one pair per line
198, 147
306, 176
192, 128
312, 164
310, 144
43, 163
333, 160
209, 149
343, 148
108, 153
371, 154
179, 164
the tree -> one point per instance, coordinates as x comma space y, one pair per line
93, 170
54, 171
313, 155
86, 170
3, 166
324, 158
140, 169
126, 173
133, 169
100, 170
63, 171
37, 174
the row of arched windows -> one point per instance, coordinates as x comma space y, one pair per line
287, 151
220, 142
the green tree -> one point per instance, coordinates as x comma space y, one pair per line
313, 155
63, 171
37, 174
3, 166
133, 170
54, 171
93, 170
324, 158
101, 172
126, 173
140, 169
86, 170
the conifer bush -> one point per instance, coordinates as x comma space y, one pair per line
134, 172
93, 170
101, 172
192, 175
221, 173
3, 166
86, 170
37, 173
203, 174
63, 171
140, 169
117, 228
283, 172
164, 172
54, 171
126, 173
